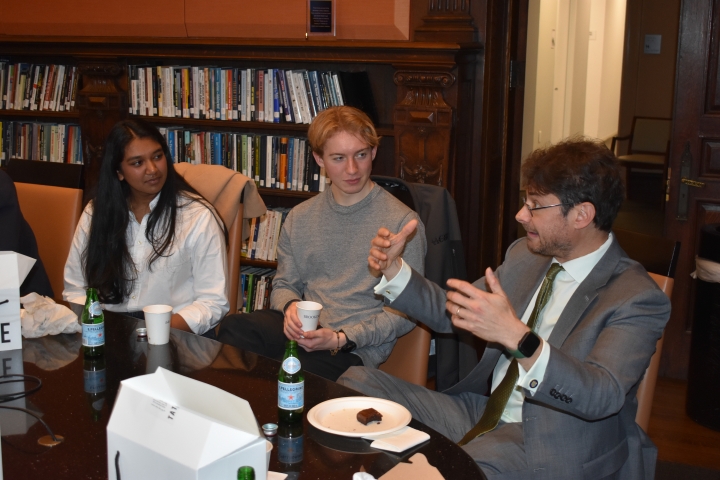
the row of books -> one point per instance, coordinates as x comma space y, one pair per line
273, 161
50, 142
256, 285
27, 86
244, 94
264, 235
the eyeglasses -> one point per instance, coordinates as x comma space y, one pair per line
530, 209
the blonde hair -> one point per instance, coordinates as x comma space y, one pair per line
341, 119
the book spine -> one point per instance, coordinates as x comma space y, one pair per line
206, 105
243, 94
260, 95
223, 95
149, 92
303, 98
290, 82
236, 93
154, 85
283, 167
218, 93
338, 89
276, 96
286, 109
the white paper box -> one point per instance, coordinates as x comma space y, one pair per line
14, 267
166, 426
14, 422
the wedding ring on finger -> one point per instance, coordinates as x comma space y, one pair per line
458, 312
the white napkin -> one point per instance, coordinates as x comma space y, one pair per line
276, 476
398, 441
42, 316
363, 476
417, 469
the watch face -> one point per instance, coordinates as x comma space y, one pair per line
529, 343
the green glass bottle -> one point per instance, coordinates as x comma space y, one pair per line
291, 385
95, 384
290, 449
246, 473
93, 325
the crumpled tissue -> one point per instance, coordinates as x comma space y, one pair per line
42, 316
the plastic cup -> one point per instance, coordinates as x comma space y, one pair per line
157, 321
309, 314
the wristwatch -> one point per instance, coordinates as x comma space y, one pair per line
349, 344
527, 345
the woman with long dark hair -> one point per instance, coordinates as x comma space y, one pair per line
147, 237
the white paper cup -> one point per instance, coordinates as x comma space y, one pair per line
157, 321
268, 450
309, 314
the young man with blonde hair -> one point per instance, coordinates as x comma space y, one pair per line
322, 254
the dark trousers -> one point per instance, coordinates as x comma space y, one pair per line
262, 332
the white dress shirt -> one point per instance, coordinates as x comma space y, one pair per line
565, 284
191, 277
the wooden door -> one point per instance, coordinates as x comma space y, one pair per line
694, 199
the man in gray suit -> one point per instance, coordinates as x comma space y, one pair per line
571, 323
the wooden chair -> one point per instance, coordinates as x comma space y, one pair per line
648, 150
53, 214
409, 358
659, 257
225, 190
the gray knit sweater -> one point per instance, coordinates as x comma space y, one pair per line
322, 256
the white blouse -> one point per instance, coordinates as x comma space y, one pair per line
191, 278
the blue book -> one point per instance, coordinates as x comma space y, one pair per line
217, 149
171, 145
276, 97
188, 146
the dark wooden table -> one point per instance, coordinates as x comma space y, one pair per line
81, 417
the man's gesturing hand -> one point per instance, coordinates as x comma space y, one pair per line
386, 249
488, 315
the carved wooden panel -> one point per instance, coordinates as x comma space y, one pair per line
447, 21
423, 127
102, 103
712, 103
710, 164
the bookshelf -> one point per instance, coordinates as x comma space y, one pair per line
423, 92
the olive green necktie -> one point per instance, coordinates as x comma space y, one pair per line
499, 398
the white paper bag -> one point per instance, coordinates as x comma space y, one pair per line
167, 426
14, 267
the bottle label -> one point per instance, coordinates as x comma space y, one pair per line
291, 365
290, 450
94, 381
95, 309
93, 334
291, 396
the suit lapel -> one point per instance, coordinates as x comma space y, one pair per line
585, 294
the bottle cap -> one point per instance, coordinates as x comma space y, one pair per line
270, 429
141, 332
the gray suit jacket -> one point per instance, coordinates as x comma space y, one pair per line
581, 421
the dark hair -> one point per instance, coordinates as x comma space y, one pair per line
107, 264
578, 170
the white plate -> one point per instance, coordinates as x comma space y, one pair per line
339, 416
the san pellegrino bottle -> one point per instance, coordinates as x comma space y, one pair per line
291, 385
290, 448
246, 473
95, 384
93, 325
